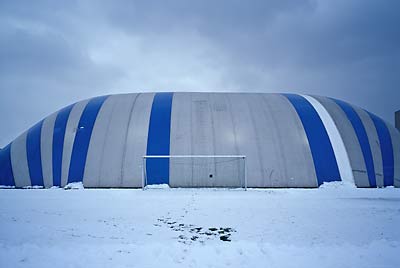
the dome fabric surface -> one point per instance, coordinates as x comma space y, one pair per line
289, 140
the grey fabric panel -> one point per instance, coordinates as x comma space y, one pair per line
19, 161
114, 147
203, 142
227, 171
136, 141
46, 148
373, 143
69, 138
108, 142
395, 134
200, 125
91, 176
350, 140
181, 170
246, 138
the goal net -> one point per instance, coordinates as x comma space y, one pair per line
195, 171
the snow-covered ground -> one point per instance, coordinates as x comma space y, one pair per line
327, 227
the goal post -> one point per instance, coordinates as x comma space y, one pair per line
196, 171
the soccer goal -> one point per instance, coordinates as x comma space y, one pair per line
195, 171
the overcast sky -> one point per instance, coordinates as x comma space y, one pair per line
53, 53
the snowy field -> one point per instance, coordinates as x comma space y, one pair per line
327, 227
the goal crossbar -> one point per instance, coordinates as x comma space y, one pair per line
144, 157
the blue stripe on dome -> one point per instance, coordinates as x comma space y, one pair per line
60, 126
326, 167
385, 141
158, 140
82, 139
6, 172
362, 137
33, 153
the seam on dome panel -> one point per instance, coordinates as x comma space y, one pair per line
103, 145
126, 137
213, 135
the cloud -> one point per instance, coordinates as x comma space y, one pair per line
52, 55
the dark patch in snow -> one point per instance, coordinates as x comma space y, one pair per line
225, 238
197, 229
224, 233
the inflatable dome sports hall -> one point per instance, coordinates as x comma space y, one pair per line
275, 140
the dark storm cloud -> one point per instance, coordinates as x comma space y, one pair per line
52, 54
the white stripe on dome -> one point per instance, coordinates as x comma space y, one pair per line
46, 146
339, 149
19, 161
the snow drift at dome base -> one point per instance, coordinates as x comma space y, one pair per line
333, 226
